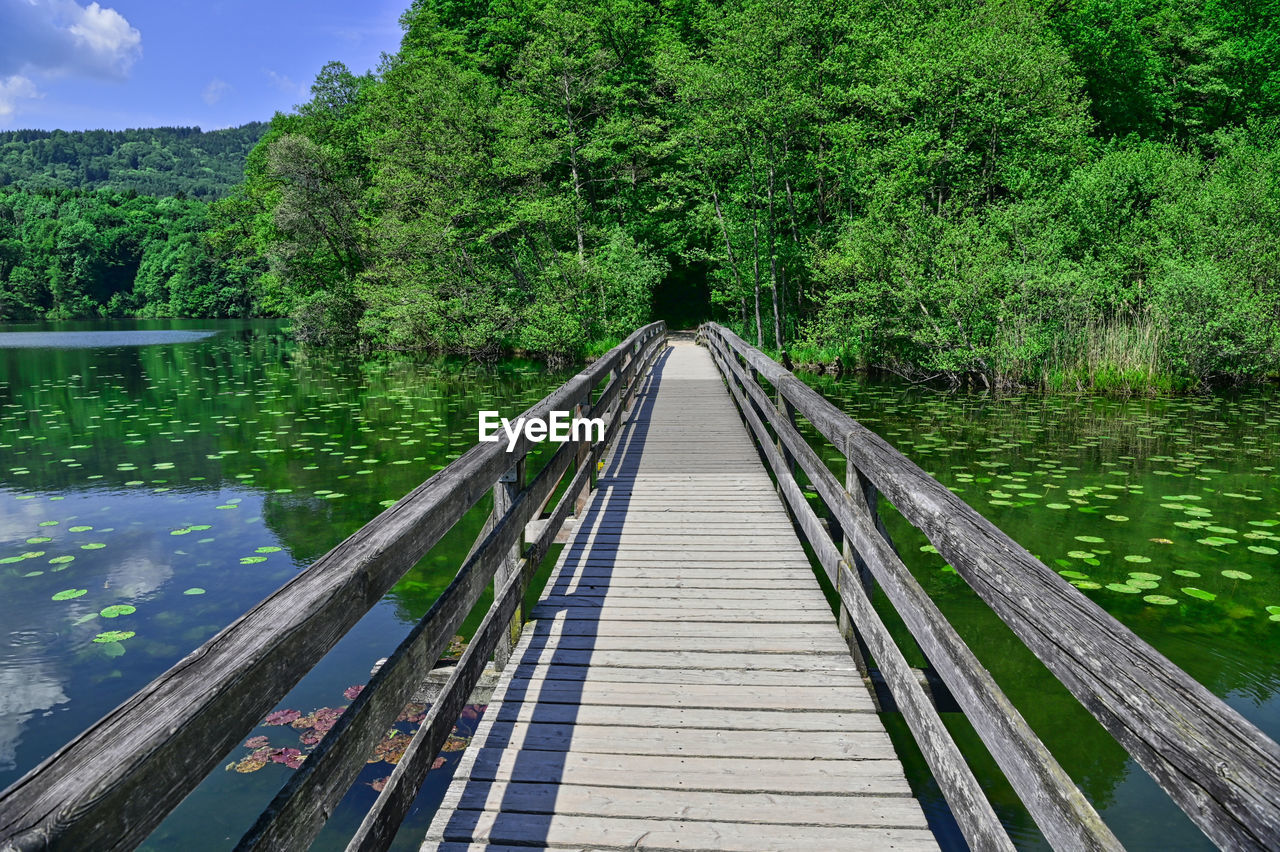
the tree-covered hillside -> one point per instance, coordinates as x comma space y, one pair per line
105, 223
1072, 193
158, 161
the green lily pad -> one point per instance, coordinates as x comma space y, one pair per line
1232, 574
118, 610
1160, 600
1133, 557
1184, 572
114, 636
1199, 593
1123, 588
68, 594
1263, 549
194, 591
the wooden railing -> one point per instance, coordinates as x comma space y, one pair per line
113, 784
1220, 769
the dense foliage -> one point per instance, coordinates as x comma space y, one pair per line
1074, 193
106, 223
159, 161
71, 254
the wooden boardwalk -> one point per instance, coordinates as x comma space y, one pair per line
683, 684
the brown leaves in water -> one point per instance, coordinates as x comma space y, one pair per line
313, 727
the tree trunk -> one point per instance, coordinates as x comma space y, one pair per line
573, 167
773, 265
755, 250
728, 246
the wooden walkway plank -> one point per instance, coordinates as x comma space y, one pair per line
683, 684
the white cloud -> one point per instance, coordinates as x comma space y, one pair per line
107, 34
13, 89
215, 91
61, 37
285, 84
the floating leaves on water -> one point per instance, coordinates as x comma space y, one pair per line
68, 594
1123, 588
1266, 551
1142, 575
1199, 593
351, 692
93, 545
928, 548
1117, 518
40, 539
1080, 554
1074, 575
61, 560
269, 549
281, 717
79, 529
1086, 584
194, 590
1160, 600
1232, 574
250, 560
1217, 541
118, 610
1057, 506
1185, 572
114, 636
1161, 540
1090, 539
256, 742
1133, 557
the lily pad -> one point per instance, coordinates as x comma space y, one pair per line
1232, 574
118, 610
1199, 593
1160, 600
114, 636
68, 594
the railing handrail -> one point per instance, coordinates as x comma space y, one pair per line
1216, 765
113, 784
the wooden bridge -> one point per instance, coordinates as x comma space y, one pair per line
683, 683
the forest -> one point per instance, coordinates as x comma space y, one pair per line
117, 223
1070, 195
161, 161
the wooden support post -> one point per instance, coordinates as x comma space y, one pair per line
855, 483
583, 457
509, 485
788, 412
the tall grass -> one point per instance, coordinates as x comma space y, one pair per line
1112, 357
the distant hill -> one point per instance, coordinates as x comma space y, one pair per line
158, 161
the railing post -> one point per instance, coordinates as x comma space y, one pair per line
509, 485
856, 484
584, 457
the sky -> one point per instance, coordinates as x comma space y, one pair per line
76, 65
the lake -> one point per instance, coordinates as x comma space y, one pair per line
154, 488
157, 482
1165, 512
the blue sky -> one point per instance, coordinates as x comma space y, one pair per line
79, 65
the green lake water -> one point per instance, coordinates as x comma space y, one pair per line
1165, 512
156, 482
